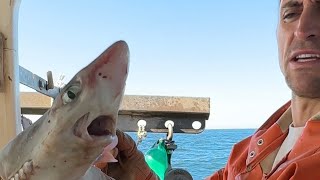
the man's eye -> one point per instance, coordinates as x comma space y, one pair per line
289, 16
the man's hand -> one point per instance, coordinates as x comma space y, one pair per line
131, 164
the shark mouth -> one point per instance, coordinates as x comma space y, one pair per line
100, 127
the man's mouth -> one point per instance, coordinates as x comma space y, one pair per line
99, 128
307, 57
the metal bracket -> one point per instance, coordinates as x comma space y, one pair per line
1, 62
183, 123
37, 83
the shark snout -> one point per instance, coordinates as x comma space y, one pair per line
110, 69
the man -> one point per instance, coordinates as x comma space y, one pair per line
287, 145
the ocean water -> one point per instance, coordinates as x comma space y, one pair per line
200, 154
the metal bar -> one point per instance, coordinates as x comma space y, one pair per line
10, 124
37, 83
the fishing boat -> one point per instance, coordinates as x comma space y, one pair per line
138, 113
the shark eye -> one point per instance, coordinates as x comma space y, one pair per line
70, 94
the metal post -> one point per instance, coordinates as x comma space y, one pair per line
10, 124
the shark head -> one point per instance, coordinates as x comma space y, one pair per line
65, 142
83, 117
87, 107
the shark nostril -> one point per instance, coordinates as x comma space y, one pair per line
103, 76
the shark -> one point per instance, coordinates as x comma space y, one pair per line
79, 126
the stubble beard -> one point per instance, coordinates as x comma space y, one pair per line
304, 86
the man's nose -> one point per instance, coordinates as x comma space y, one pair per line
308, 25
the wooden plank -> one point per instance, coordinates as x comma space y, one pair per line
33, 101
168, 104
155, 110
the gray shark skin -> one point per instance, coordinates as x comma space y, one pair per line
68, 138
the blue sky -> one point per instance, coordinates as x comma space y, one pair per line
225, 50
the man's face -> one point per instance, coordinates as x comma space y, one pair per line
299, 46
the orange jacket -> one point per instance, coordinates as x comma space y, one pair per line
250, 158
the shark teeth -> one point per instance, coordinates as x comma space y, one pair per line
24, 173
